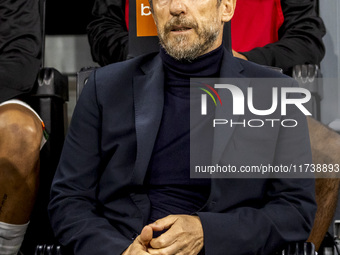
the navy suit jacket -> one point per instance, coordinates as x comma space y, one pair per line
98, 202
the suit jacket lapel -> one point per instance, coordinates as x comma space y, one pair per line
148, 90
231, 68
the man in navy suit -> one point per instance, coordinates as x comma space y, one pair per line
123, 184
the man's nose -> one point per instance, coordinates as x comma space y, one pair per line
178, 7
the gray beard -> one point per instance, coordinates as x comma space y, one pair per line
175, 48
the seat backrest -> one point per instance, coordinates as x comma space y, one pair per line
48, 99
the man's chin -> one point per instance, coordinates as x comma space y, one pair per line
181, 48
183, 54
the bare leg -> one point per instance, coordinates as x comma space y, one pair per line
325, 145
20, 136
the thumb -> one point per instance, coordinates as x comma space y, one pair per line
164, 223
146, 235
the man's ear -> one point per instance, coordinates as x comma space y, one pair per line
228, 9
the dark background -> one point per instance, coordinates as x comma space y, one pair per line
68, 17
71, 17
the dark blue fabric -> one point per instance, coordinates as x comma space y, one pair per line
97, 195
171, 190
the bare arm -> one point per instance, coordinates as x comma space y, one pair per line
325, 149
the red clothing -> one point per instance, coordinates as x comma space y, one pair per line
288, 32
127, 14
262, 23
258, 20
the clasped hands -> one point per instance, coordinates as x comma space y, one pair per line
184, 236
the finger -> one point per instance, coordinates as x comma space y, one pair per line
146, 236
164, 223
178, 246
167, 250
136, 248
175, 248
166, 239
135, 251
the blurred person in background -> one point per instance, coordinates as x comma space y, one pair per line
21, 129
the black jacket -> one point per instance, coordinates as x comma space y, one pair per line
20, 47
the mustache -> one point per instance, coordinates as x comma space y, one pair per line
179, 21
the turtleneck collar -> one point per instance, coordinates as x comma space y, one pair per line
207, 65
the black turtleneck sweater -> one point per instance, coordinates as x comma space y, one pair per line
171, 190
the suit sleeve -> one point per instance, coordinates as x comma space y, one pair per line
73, 209
288, 211
107, 33
20, 47
300, 38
